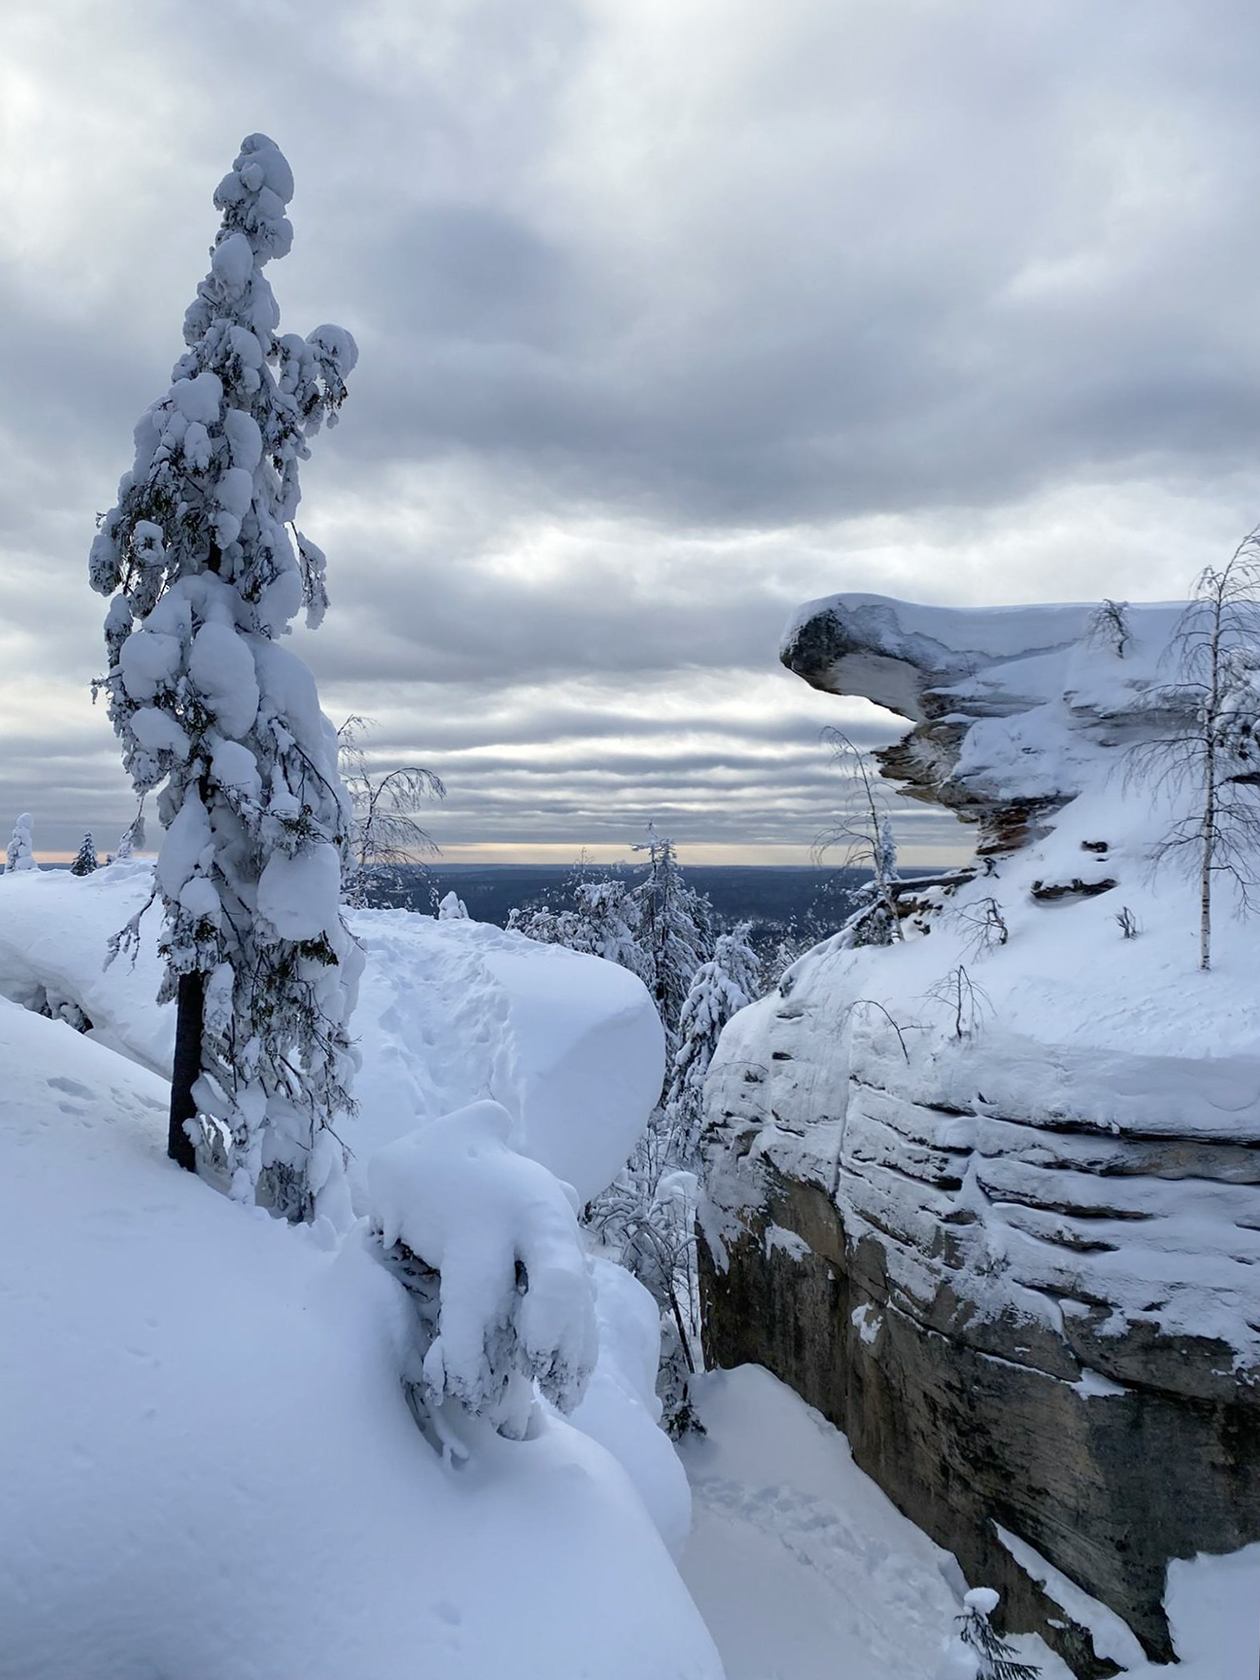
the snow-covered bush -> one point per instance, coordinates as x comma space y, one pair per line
488, 1246
85, 858
865, 833
207, 570
132, 836
452, 908
20, 855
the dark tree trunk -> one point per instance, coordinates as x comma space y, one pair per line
191, 999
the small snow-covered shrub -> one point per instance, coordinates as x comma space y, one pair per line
976, 1652
384, 833
487, 1244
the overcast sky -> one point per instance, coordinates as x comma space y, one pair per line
672, 314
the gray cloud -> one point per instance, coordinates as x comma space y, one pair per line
670, 317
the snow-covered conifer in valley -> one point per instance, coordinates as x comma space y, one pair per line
20, 854
85, 858
673, 925
720, 988
207, 570
608, 917
602, 921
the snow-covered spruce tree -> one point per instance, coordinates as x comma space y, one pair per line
85, 859
452, 908
865, 835
20, 855
207, 570
720, 988
673, 925
384, 834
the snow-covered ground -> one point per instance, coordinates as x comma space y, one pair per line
804, 1570
208, 1466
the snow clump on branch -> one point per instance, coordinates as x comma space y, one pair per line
487, 1244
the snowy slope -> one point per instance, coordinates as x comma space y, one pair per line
208, 1468
449, 1011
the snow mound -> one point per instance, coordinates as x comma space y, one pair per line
450, 1011
209, 1467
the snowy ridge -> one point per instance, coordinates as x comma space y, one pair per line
1013, 706
1053, 1151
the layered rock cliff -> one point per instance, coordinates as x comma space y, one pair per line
989, 1197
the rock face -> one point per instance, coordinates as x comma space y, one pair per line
994, 1207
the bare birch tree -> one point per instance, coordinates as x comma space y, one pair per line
384, 833
1210, 753
864, 835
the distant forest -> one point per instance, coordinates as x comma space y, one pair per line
777, 900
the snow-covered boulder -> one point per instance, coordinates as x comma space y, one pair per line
989, 1197
208, 1466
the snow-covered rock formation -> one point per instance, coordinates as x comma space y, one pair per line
989, 1197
